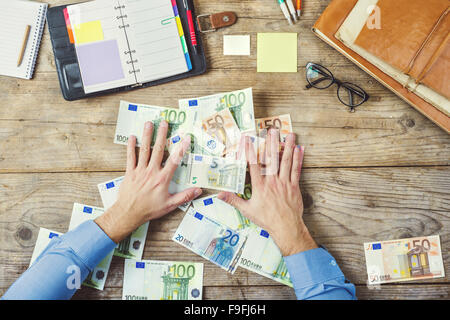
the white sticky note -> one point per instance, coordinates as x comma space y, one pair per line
236, 45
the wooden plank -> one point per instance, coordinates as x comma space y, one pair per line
343, 209
385, 292
54, 135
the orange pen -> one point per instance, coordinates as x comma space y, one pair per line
299, 8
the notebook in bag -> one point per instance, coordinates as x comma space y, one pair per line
326, 28
413, 37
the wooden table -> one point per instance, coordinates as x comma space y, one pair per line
380, 173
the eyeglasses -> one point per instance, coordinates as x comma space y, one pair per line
348, 93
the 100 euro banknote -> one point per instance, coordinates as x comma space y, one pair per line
210, 240
131, 247
221, 212
261, 255
239, 102
162, 280
404, 259
132, 118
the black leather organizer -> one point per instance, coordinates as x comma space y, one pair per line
67, 63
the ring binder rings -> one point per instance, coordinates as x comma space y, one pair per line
68, 63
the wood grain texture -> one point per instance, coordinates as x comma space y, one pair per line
380, 173
343, 209
385, 292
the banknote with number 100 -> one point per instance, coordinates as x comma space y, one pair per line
404, 259
162, 280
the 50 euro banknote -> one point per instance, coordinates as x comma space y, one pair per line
404, 259
210, 239
162, 280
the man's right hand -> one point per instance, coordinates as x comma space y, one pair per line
276, 204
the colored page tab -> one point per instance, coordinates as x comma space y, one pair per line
88, 32
277, 52
181, 33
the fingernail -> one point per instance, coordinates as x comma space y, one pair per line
198, 192
164, 123
148, 125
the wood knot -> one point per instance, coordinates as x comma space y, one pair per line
410, 123
24, 233
307, 200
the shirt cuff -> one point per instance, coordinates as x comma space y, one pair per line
90, 243
311, 267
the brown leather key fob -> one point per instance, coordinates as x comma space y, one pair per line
212, 22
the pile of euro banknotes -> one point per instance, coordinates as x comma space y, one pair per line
210, 227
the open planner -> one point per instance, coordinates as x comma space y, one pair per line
21, 27
106, 46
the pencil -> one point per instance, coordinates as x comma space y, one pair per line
24, 45
299, 8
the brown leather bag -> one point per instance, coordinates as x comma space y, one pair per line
414, 38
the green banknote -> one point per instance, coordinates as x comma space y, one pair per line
221, 212
162, 280
261, 255
132, 118
239, 102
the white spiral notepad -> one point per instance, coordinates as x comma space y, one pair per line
14, 19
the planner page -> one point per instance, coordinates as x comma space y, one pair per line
101, 46
156, 39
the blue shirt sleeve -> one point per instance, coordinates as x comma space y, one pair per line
316, 276
71, 255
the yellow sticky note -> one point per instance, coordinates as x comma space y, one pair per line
88, 32
277, 52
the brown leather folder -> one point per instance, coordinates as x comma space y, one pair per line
326, 27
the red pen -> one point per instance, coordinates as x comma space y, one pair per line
191, 26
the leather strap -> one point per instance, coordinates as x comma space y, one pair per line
216, 20
222, 19
425, 42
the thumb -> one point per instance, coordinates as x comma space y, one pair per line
182, 197
233, 200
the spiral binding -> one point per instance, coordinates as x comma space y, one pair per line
129, 52
37, 37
